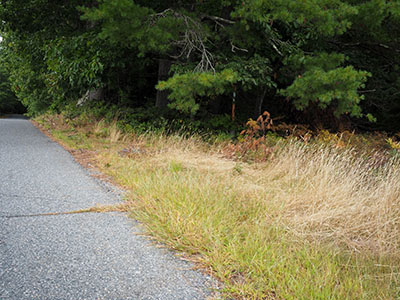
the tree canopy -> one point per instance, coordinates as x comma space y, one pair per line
308, 61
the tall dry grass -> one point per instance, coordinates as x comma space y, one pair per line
336, 196
323, 193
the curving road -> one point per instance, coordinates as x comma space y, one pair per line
79, 256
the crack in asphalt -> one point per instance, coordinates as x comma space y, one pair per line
49, 214
122, 207
27, 196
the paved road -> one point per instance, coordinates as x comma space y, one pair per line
80, 256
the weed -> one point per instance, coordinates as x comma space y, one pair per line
175, 167
238, 169
100, 129
251, 142
114, 133
394, 145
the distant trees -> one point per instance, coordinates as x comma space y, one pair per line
339, 57
8, 101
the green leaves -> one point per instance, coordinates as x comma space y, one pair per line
128, 24
8, 101
328, 17
187, 89
322, 60
253, 72
319, 53
324, 83
76, 60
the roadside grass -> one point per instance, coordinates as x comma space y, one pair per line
312, 222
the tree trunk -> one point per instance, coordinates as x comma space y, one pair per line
164, 67
259, 102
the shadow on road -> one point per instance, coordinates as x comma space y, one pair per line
13, 116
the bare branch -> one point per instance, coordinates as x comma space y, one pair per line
233, 47
271, 41
191, 41
219, 19
367, 91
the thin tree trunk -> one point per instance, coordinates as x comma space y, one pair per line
259, 102
164, 67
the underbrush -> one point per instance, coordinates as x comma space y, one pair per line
271, 217
142, 120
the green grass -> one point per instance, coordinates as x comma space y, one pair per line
72, 139
255, 256
311, 223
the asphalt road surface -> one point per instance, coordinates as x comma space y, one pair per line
76, 256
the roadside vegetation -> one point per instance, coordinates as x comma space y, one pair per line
312, 216
9, 103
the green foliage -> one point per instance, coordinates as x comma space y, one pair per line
8, 101
185, 88
328, 56
26, 73
74, 65
253, 72
134, 26
27, 27
323, 82
328, 17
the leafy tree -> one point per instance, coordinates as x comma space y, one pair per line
27, 27
339, 56
323, 82
186, 87
267, 32
9, 103
373, 44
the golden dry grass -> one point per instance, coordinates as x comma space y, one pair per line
335, 196
313, 222
317, 192
115, 134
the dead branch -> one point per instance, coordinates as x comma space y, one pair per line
192, 40
233, 48
218, 19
